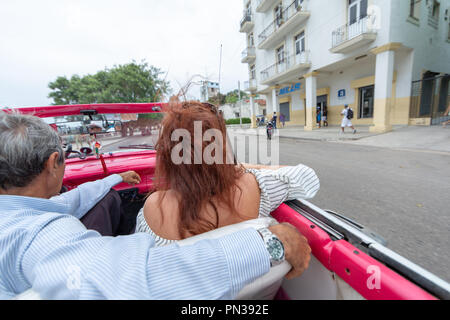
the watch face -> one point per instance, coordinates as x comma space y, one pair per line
276, 249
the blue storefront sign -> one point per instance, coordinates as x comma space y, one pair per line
341, 93
289, 89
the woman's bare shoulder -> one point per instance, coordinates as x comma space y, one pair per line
157, 203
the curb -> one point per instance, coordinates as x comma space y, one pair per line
305, 138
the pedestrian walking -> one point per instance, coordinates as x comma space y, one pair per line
446, 114
347, 120
318, 118
283, 119
274, 120
325, 116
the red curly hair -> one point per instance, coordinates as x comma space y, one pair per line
197, 185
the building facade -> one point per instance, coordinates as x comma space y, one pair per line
387, 59
208, 90
243, 109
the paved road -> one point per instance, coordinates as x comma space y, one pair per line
402, 195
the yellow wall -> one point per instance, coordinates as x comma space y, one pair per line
399, 110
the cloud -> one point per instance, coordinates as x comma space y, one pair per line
41, 40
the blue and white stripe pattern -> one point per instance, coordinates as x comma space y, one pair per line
44, 246
277, 186
284, 184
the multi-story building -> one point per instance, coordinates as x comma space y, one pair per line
209, 90
243, 109
387, 59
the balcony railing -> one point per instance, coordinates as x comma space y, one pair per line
250, 85
284, 17
248, 54
246, 19
288, 63
350, 31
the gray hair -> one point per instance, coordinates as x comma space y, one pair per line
26, 143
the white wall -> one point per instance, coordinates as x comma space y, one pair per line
431, 48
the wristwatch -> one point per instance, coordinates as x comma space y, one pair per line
274, 246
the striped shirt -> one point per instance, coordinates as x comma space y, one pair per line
44, 247
277, 186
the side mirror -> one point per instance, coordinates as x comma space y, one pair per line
86, 150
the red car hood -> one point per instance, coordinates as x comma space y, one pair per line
143, 162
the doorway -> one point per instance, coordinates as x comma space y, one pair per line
322, 104
286, 111
366, 102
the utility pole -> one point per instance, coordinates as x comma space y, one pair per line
220, 67
240, 103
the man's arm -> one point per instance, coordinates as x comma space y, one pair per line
65, 261
83, 198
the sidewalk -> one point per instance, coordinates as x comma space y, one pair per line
332, 133
418, 138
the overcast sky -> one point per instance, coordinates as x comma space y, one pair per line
41, 40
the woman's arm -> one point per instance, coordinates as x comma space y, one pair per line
260, 167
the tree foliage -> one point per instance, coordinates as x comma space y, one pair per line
129, 83
231, 97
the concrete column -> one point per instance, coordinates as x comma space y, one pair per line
252, 111
384, 76
275, 106
274, 100
311, 100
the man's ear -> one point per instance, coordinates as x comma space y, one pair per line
52, 162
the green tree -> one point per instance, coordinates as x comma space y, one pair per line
232, 97
217, 100
132, 82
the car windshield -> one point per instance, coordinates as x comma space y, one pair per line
109, 133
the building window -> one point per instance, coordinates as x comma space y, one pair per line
433, 14
448, 35
300, 43
414, 9
251, 40
366, 102
252, 72
436, 8
280, 55
279, 15
248, 9
357, 10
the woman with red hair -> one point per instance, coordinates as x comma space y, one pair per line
192, 197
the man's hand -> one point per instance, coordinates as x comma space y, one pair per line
130, 177
296, 248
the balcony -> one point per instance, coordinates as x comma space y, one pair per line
286, 70
251, 85
290, 18
249, 55
433, 21
247, 23
350, 37
264, 5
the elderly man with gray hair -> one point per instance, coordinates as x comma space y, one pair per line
45, 247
